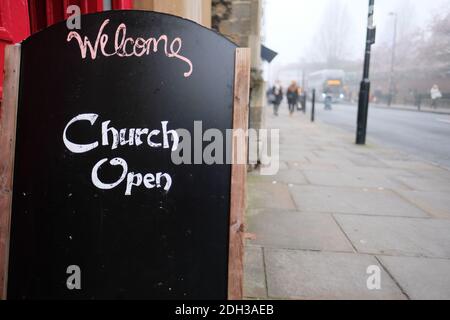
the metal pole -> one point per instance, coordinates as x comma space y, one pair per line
303, 80
391, 75
313, 108
303, 91
364, 92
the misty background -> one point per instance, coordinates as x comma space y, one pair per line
330, 34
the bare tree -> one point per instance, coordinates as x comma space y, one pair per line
407, 19
423, 57
435, 51
407, 40
332, 40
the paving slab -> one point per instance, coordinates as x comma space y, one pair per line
442, 174
293, 274
269, 195
411, 165
394, 155
350, 178
366, 160
420, 278
436, 204
297, 164
287, 176
293, 230
292, 154
426, 184
353, 201
316, 166
254, 276
328, 161
398, 236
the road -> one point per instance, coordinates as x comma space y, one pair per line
424, 135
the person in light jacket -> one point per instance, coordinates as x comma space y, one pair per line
435, 94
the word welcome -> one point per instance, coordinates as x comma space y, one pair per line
128, 47
121, 137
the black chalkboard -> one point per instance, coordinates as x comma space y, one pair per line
152, 243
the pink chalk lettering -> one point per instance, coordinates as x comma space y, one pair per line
128, 47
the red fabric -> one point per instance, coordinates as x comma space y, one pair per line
44, 13
20, 17
14, 27
122, 4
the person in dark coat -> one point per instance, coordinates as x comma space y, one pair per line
276, 97
292, 96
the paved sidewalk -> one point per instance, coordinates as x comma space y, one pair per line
335, 209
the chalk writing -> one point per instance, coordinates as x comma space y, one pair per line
128, 47
120, 138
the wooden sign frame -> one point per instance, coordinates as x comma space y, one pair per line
7, 151
8, 120
238, 176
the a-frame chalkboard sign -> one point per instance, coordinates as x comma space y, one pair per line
92, 203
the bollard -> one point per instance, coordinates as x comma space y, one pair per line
313, 107
304, 102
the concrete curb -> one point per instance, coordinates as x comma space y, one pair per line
411, 110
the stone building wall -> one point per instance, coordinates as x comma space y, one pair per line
196, 10
240, 21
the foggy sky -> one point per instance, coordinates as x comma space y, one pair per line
291, 26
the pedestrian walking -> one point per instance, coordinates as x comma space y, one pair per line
435, 94
301, 99
276, 97
328, 101
292, 97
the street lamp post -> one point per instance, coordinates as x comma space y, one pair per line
391, 75
364, 92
